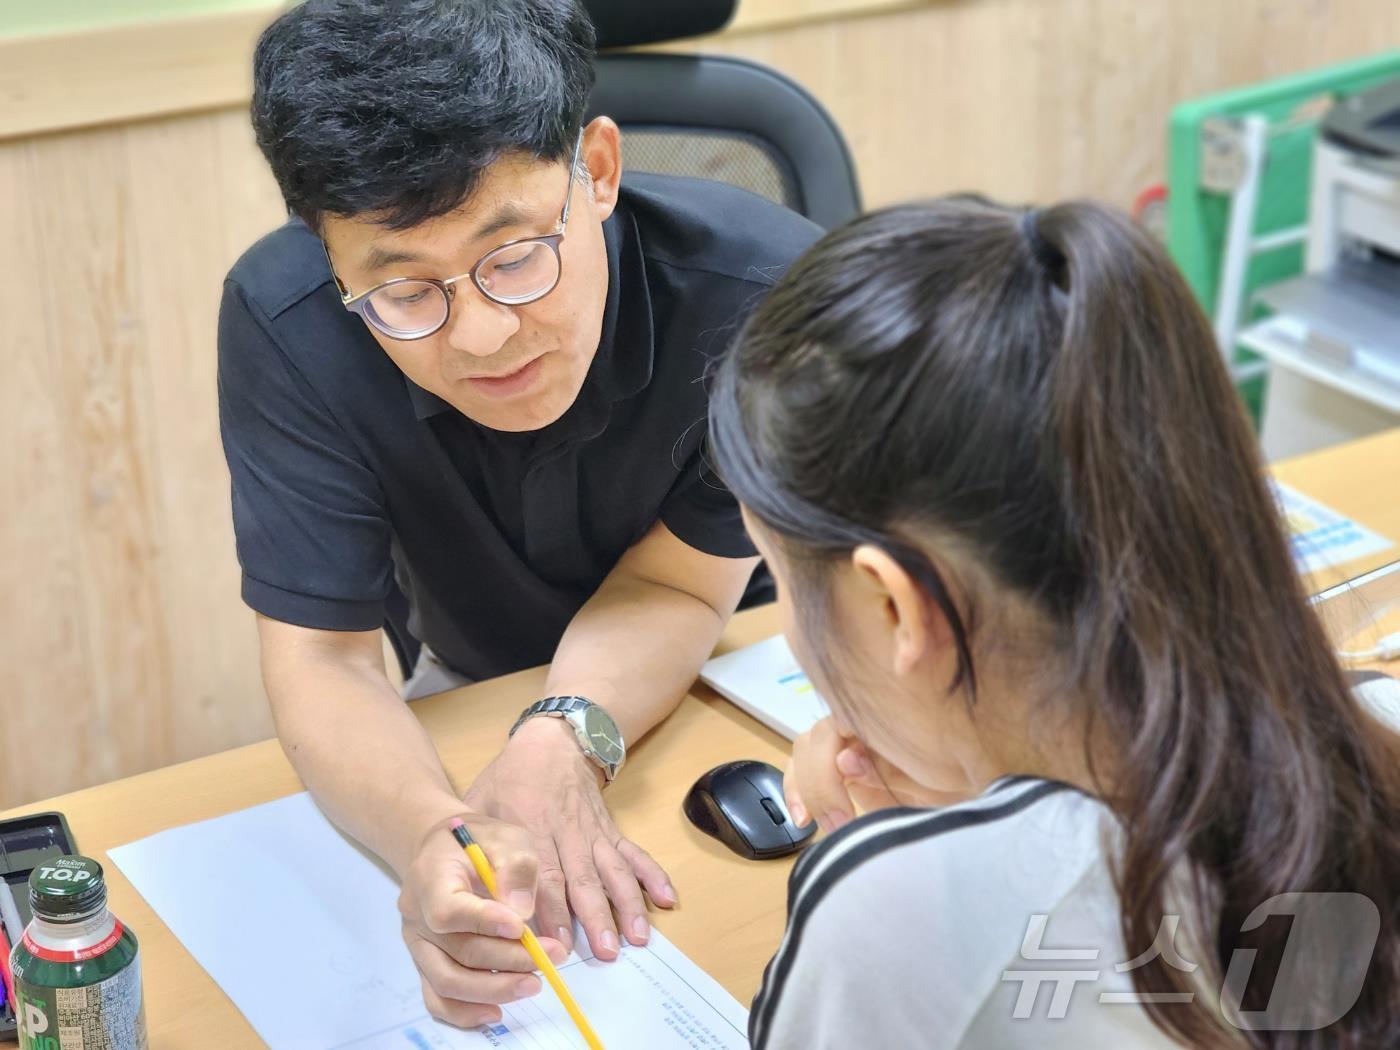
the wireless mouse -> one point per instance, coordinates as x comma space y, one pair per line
741, 804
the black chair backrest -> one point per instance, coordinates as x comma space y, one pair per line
730, 120
632, 23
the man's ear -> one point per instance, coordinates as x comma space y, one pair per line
602, 155
915, 625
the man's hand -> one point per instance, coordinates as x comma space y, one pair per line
538, 809
543, 783
465, 944
455, 933
831, 776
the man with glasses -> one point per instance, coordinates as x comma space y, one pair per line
472, 367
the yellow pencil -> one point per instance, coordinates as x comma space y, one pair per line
487, 874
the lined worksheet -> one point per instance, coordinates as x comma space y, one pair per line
647, 998
300, 927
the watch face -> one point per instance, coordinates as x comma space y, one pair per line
603, 735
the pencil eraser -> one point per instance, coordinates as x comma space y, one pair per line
456, 823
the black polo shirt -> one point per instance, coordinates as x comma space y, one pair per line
346, 474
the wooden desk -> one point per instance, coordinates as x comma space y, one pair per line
731, 911
1361, 480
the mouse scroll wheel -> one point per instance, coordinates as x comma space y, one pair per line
774, 811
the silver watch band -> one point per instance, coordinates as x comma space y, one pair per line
571, 708
551, 705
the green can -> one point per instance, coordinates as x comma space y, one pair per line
77, 969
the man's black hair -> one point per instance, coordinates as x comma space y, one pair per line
396, 108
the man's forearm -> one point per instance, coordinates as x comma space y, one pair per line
635, 648
357, 746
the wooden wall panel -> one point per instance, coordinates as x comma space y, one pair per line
1032, 100
44, 643
99, 384
121, 628
123, 634
198, 175
129, 71
126, 72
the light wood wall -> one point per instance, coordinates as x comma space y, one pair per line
122, 635
123, 640
1033, 100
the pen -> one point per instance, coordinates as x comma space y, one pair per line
11, 930
7, 986
9, 913
487, 875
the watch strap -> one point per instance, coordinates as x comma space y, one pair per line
551, 705
564, 707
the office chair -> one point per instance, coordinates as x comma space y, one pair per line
717, 118
704, 116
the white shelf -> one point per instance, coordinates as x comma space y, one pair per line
1279, 340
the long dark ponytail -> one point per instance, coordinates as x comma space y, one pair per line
1042, 388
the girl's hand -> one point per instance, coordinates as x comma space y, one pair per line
831, 777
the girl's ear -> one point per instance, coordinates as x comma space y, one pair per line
916, 627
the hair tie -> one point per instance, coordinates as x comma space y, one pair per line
1049, 257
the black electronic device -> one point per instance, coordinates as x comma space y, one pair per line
1368, 122
25, 843
741, 804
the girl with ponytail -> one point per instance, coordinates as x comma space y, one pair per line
1025, 547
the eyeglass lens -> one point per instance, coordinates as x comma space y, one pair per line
512, 274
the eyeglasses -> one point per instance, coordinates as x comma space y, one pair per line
513, 274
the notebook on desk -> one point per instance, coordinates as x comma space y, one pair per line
765, 680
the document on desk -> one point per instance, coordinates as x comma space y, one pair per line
300, 928
1321, 537
765, 680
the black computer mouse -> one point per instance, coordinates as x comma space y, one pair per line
741, 804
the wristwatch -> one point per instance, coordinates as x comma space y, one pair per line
597, 733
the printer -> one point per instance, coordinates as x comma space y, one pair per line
1339, 323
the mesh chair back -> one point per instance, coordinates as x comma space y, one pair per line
731, 157
730, 120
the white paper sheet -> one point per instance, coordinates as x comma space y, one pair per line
300, 928
765, 680
1321, 537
